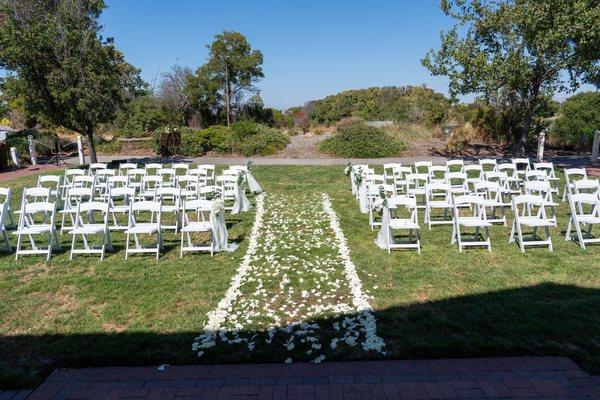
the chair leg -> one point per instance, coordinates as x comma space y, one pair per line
127, 247
72, 247
19, 243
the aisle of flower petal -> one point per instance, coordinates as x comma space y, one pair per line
296, 295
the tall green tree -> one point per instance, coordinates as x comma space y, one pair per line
234, 66
60, 68
522, 50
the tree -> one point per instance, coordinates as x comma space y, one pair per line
520, 50
203, 95
234, 66
172, 93
579, 119
60, 68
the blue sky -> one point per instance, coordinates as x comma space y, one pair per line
311, 48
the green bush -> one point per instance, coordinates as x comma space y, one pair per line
579, 119
263, 141
194, 143
218, 138
362, 141
113, 146
142, 116
242, 129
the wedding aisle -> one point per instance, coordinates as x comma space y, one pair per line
296, 295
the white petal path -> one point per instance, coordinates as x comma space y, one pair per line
296, 272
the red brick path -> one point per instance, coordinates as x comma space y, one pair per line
491, 378
30, 170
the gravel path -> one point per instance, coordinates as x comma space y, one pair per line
303, 146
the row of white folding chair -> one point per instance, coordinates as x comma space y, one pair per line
585, 213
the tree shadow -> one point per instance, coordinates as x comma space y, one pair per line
546, 319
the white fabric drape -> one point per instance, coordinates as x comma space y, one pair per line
383, 237
352, 183
253, 184
220, 234
362, 197
241, 204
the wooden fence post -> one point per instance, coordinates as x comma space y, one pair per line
541, 144
596, 146
32, 150
15, 157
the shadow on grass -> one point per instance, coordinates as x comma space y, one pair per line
546, 319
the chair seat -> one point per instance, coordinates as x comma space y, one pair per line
588, 219
473, 222
197, 227
403, 224
494, 203
439, 204
535, 222
121, 209
89, 229
33, 230
143, 228
170, 209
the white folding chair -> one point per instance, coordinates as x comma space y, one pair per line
152, 168
548, 167
476, 217
400, 179
458, 183
170, 198
5, 197
102, 176
149, 185
587, 186
196, 219
455, 165
398, 204
119, 202
494, 201
437, 174
438, 196
151, 213
54, 183
572, 175
388, 172
86, 226
31, 225
97, 166
189, 185
34, 195
522, 165
530, 211
228, 185
4, 213
422, 167
210, 172
75, 196
488, 164
374, 192
118, 181
585, 211
514, 182
70, 173
543, 188
415, 187
124, 167
168, 175
181, 168
135, 178
474, 174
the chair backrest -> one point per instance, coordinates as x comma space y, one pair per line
96, 166
436, 190
181, 167
30, 210
37, 193
169, 194
587, 186
5, 192
536, 175
474, 171
521, 163
199, 209
584, 204
541, 188
545, 166
407, 202
124, 167
375, 179
52, 180
573, 174
148, 210
401, 172
488, 164
84, 181
455, 165
388, 168
422, 166
151, 182
437, 173
529, 205
72, 172
85, 212
489, 190
116, 181
120, 196
474, 202
417, 181
456, 179
509, 168
152, 167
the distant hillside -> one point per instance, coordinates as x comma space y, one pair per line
414, 104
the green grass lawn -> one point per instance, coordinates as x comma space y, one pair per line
441, 303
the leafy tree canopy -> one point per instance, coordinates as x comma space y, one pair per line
579, 119
518, 49
61, 70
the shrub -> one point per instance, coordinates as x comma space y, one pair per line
19, 142
242, 129
263, 141
112, 146
362, 141
218, 138
194, 142
579, 120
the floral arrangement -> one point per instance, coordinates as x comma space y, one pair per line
249, 166
218, 205
241, 178
348, 169
382, 202
358, 176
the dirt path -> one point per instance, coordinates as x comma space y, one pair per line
303, 146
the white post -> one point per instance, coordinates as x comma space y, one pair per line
80, 150
15, 157
596, 147
32, 150
541, 144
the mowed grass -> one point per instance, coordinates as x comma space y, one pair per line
441, 303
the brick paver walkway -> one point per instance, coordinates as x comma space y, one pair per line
491, 378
